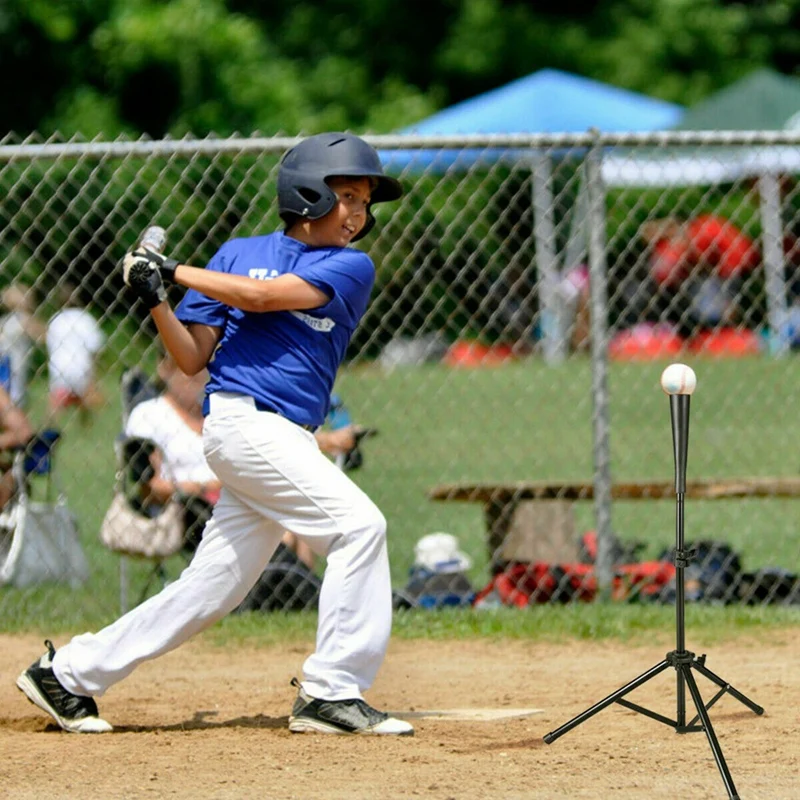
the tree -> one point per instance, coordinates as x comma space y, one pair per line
200, 66
44, 54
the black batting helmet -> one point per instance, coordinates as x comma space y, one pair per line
304, 170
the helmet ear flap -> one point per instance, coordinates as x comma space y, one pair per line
311, 196
304, 197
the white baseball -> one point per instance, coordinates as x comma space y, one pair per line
678, 379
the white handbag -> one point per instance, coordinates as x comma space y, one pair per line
39, 543
126, 530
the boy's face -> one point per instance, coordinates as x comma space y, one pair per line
347, 218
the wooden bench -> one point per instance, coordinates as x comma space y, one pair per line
502, 501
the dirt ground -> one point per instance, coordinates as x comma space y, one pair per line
205, 722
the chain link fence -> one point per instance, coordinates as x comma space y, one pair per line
530, 291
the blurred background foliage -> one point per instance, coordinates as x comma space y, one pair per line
172, 67
108, 69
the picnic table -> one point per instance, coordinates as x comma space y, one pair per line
501, 500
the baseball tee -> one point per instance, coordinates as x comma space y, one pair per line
285, 360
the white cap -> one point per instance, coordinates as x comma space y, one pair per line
439, 552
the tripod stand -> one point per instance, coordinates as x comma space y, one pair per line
683, 661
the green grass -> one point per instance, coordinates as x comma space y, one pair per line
522, 421
636, 624
706, 625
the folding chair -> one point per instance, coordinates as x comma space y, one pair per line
133, 472
134, 528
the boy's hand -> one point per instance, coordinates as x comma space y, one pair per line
144, 278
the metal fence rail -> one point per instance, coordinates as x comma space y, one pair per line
530, 289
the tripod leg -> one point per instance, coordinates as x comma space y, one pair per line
681, 701
707, 727
612, 698
703, 670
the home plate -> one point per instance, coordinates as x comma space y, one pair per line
471, 714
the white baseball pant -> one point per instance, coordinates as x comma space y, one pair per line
275, 478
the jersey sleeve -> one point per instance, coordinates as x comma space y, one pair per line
196, 307
346, 278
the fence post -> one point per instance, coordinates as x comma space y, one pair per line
544, 232
598, 288
772, 248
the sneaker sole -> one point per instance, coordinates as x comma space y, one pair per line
85, 725
306, 725
303, 725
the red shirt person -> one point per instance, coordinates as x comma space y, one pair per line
701, 261
706, 242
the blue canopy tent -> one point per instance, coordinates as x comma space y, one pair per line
550, 102
547, 101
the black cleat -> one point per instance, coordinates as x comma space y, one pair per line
310, 715
71, 711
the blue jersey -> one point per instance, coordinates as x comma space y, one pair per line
285, 360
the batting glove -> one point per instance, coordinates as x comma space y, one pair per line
166, 266
144, 278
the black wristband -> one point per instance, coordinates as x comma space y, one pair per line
167, 269
166, 266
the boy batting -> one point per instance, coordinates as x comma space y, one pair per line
270, 317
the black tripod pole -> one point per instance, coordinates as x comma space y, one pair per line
683, 661
679, 405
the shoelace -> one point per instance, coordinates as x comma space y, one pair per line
373, 716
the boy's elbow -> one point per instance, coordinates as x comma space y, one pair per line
258, 303
197, 368
261, 299
190, 366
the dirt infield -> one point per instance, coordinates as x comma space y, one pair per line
204, 722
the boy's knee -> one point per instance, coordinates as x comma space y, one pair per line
378, 522
368, 521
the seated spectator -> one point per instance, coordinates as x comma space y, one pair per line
699, 266
73, 341
20, 331
173, 421
15, 432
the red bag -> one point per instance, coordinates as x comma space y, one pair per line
522, 585
539, 582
